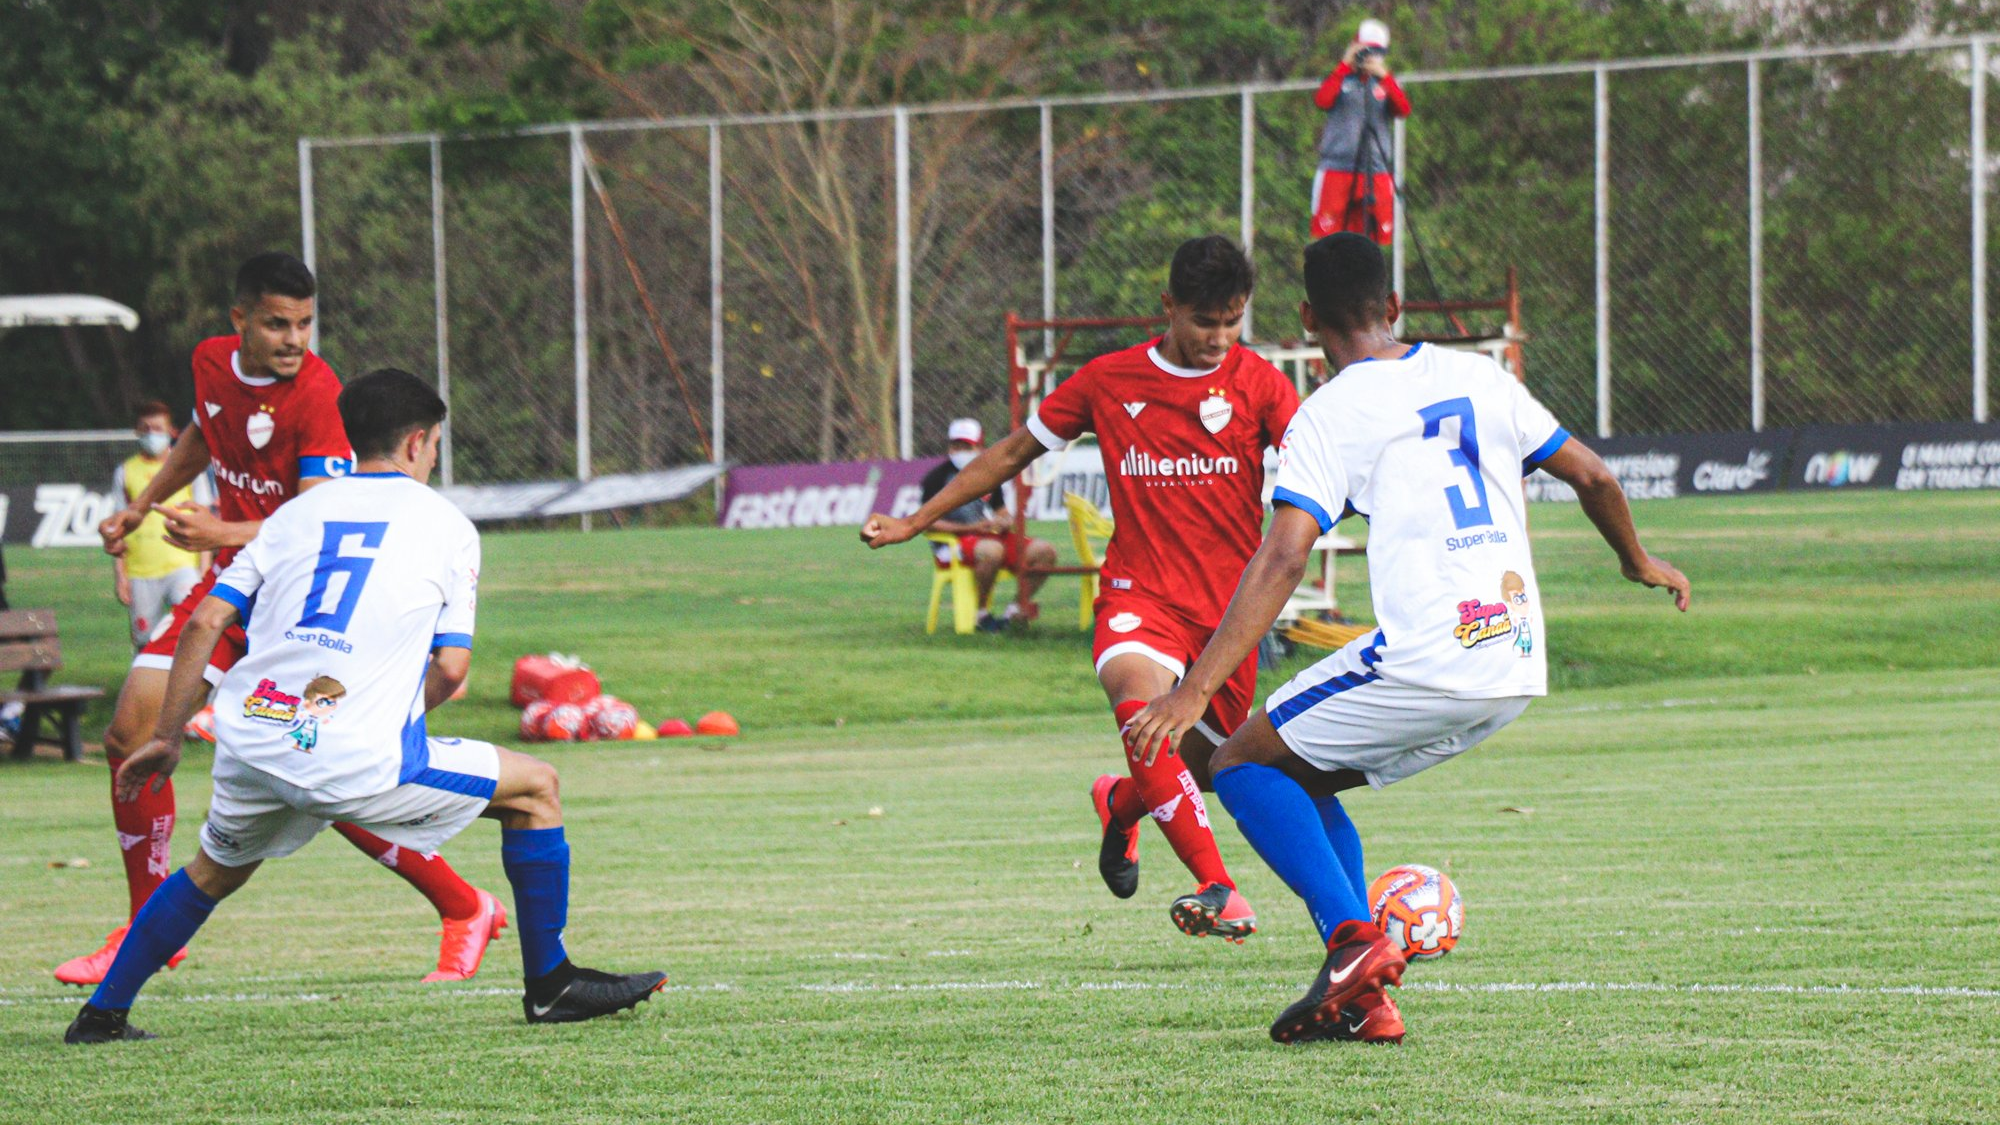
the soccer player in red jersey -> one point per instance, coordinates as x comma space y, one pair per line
265, 418
1183, 422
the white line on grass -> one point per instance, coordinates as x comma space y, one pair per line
854, 987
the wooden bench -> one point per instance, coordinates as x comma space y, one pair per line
29, 645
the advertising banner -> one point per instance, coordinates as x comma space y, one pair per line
846, 493
1663, 466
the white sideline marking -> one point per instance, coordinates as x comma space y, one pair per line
853, 987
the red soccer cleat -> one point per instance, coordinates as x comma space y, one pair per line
1371, 1019
1118, 852
465, 940
1213, 910
91, 967
1360, 962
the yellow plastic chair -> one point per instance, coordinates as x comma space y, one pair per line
957, 575
1086, 523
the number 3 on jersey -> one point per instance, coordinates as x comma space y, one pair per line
354, 569
1466, 457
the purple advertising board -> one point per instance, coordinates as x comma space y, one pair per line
844, 493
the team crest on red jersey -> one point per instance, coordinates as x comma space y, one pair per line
260, 428
1216, 411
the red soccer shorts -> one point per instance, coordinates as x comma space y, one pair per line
1132, 623
159, 651
1012, 547
1340, 202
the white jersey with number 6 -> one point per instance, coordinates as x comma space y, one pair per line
344, 593
1431, 449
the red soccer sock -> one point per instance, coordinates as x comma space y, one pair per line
1127, 807
430, 874
145, 829
1168, 791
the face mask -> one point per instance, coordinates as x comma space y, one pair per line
960, 458
154, 443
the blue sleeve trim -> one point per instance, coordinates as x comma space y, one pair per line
451, 640
233, 596
1545, 451
324, 467
1308, 506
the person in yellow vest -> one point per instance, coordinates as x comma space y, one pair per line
153, 575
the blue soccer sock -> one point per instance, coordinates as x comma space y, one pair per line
167, 922
1280, 821
537, 864
1340, 833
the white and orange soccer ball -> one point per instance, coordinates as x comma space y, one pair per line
566, 722
615, 721
532, 717
201, 728
1419, 909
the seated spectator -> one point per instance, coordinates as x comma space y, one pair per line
986, 537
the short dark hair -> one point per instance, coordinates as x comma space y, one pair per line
273, 272
1210, 272
382, 407
1347, 281
151, 408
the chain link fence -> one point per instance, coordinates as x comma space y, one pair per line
1757, 240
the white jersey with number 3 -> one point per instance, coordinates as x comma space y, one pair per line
1431, 449
345, 592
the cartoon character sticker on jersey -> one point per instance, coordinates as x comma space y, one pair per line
323, 696
1514, 592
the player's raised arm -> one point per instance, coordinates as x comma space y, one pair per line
1002, 461
1601, 498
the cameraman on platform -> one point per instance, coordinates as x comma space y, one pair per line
1353, 189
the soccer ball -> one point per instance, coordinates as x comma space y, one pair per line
1419, 909
201, 728
565, 723
615, 720
532, 718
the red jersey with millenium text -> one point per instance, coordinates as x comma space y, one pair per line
264, 434
1184, 455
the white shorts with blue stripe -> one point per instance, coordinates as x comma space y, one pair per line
255, 815
1340, 714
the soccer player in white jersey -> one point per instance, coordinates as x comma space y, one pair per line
357, 598
1430, 447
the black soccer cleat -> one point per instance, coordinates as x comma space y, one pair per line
588, 994
1213, 910
1359, 961
1118, 853
102, 1025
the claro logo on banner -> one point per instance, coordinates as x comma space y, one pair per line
53, 515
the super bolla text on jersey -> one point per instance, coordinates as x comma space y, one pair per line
1431, 449
1184, 457
345, 593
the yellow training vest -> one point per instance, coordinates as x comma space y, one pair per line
147, 552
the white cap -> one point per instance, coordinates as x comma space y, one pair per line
1372, 33
966, 429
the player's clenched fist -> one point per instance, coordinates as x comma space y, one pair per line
881, 530
117, 526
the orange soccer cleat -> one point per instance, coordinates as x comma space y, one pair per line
1213, 910
465, 940
90, 968
1361, 961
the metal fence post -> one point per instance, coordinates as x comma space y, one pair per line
715, 388
579, 260
306, 250
1602, 208
1247, 190
1048, 226
438, 292
903, 356
1979, 413
1756, 145
1402, 178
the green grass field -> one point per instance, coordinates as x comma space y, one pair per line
1738, 867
